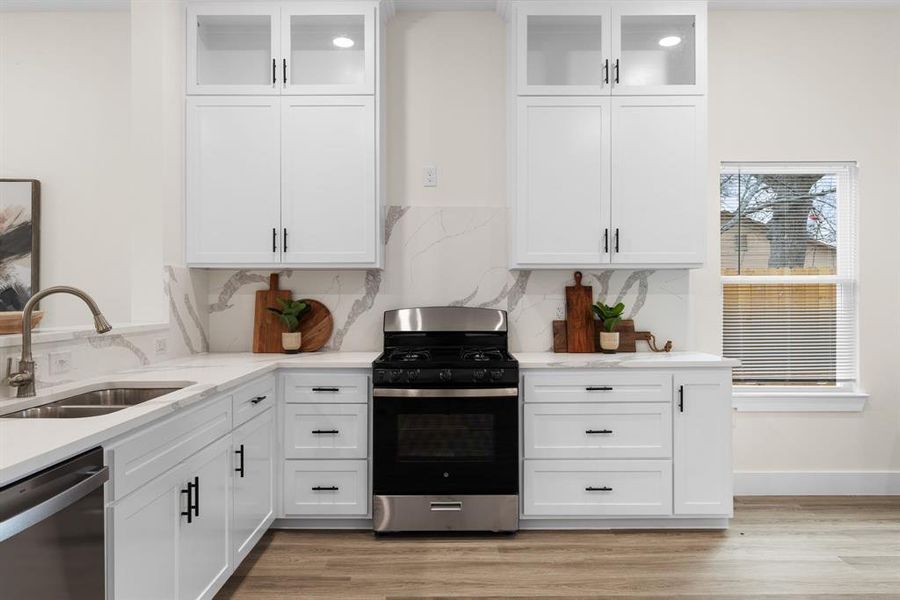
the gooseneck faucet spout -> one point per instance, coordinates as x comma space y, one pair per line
23, 380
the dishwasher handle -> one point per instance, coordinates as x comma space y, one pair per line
30, 516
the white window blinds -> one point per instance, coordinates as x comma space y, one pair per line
788, 249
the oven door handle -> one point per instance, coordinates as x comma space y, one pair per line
446, 506
445, 392
46, 509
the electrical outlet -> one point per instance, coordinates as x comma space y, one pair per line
161, 346
429, 176
60, 363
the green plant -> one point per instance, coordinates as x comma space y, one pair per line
610, 315
290, 312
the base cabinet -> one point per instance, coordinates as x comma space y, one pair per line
253, 493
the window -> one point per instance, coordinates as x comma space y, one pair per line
788, 249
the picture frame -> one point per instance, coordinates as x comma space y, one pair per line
20, 247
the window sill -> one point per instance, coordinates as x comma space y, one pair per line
845, 401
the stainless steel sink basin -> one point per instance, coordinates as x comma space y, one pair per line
92, 403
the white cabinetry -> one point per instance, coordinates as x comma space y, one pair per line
608, 142
253, 509
282, 153
702, 437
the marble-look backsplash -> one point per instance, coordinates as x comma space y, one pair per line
438, 256
93, 355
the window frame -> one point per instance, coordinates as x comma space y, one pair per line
844, 396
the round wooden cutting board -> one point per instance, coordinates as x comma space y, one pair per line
316, 326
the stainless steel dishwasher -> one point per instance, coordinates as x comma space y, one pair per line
52, 534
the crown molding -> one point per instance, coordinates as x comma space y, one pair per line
758, 5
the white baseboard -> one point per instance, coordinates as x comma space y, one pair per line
817, 483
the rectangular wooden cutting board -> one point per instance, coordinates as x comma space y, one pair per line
267, 327
579, 317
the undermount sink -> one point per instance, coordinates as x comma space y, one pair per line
92, 403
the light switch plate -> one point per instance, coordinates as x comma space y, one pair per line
60, 363
429, 176
161, 345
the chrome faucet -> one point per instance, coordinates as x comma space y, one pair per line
23, 379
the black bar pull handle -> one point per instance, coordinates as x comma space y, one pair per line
325, 431
617, 240
274, 240
284, 240
274, 71
326, 389
196, 496
598, 388
284, 72
680, 398
605, 71
598, 489
590, 431
617, 70
606, 241
258, 399
189, 512
240, 452
330, 488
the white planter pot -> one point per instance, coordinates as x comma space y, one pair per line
291, 341
609, 340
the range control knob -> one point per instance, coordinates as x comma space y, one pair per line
379, 375
412, 374
445, 375
496, 374
395, 375
479, 374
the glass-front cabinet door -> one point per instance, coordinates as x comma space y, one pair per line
659, 48
328, 48
563, 49
233, 48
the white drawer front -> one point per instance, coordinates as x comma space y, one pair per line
326, 487
253, 399
598, 430
598, 487
160, 446
326, 387
325, 430
598, 386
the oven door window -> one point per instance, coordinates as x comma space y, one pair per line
446, 446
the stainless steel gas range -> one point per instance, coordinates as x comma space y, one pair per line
446, 422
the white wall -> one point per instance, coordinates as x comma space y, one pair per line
815, 85
64, 119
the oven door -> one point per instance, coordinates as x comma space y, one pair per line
446, 442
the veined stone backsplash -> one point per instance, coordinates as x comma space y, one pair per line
438, 256
93, 355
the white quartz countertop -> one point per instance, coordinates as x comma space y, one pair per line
29, 445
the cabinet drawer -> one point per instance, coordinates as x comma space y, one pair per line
326, 487
598, 487
326, 387
598, 430
253, 399
325, 430
598, 386
160, 446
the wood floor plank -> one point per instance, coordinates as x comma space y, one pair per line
828, 548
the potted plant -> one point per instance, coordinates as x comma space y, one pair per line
610, 316
290, 313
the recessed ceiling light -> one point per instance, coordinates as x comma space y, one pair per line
342, 41
669, 41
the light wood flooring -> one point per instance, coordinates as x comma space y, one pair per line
777, 547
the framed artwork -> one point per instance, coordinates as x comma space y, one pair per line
20, 212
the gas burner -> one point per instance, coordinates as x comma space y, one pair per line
410, 355
481, 354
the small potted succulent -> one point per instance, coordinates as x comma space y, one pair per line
610, 316
290, 312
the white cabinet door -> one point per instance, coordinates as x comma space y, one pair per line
145, 530
204, 555
659, 48
563, 48
702, 443
563, 182
233, 48
328, 191
253, 511
658, 171
328, 47
233, 180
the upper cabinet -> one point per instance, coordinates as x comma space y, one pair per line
587, 48
272, 48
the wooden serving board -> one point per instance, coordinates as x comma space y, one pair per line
627, 336
316, 326
579, 317
267, 327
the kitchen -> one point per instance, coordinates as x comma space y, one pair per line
459, 155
